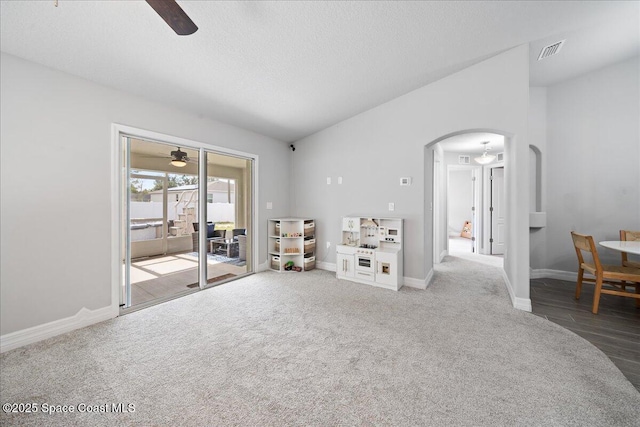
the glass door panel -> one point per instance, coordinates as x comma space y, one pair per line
162, 207
229, 213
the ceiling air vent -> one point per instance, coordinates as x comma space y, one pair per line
464, 160
552, 49
500, 157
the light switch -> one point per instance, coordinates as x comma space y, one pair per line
328, 180
340, 180
269, 205
392, 206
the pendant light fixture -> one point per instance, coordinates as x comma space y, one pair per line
486, 158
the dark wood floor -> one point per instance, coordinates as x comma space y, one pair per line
615, 329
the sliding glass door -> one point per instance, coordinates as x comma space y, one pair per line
161, 208
188, 220
228, 212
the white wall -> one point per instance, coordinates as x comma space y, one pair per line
56, 134
372, 150
440, 238
593, 178
538, 138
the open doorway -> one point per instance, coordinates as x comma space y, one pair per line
472, 194
463, 207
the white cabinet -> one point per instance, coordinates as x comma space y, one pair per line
388, 269
351, 224
291, 240
371, 251
344, 266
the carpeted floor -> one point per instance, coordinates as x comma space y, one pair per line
305, 349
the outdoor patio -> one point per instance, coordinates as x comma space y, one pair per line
167, 276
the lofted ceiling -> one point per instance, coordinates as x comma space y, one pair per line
289, 69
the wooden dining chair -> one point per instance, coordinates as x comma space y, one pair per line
627, 235
611, 275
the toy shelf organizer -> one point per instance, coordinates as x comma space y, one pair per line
292, 244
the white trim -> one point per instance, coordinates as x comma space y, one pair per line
82, 318
326, 266
116, 220
429, 279
411, 282
569, 276
523, 304
518, 303
176, 140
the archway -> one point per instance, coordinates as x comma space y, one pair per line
516, 237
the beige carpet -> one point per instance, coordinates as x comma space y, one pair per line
305, 349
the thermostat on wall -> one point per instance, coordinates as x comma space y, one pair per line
405, 181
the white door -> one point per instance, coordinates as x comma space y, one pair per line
497, 211
475, 217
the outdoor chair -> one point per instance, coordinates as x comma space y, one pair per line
242, 247
237, 232
611, 275
212, 233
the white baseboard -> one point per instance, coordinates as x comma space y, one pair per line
570, 276
82, 318
519, 303
523, 304
419, 283
326, 266
410, 282
428, 279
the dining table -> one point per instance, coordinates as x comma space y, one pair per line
628, 246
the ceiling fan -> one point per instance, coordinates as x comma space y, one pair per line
174, 16
178, 158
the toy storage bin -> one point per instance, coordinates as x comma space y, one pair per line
309, 228
277, 247
275, 262
309, 263
309, 245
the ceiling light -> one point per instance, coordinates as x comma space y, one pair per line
486, 158
179, 163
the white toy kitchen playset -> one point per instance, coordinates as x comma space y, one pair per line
371, 251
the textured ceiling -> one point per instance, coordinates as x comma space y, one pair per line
289, 69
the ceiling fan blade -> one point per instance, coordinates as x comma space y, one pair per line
173, 15
151, 156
